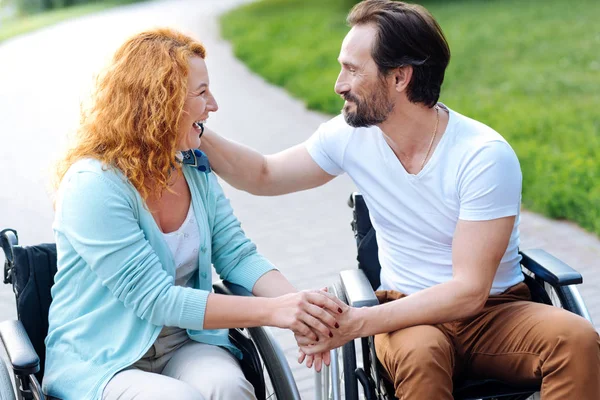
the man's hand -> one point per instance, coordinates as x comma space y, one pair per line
349, 328
309, 314
317, 359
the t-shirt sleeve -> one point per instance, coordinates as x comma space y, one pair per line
328, 144
489, 186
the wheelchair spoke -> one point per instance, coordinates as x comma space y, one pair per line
553, 295
269, 391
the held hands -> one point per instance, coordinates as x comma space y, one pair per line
316, 352
311, 315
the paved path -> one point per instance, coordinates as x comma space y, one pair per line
43, 76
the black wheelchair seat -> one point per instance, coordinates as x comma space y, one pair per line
31, 283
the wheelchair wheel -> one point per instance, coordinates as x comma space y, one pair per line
346, 361
270, 393
277, 378
6, 383
567, 298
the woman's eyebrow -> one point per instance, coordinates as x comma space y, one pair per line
202, 86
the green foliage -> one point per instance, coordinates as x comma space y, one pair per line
28, 23
28, 7
529, 69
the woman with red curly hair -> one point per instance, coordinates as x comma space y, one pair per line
139, 220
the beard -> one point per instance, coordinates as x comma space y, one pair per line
372, 111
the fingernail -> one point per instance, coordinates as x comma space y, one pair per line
337, 325
339, 310
330, 334
317, 338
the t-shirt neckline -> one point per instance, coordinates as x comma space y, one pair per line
389, 153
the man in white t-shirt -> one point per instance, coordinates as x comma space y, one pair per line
444, 195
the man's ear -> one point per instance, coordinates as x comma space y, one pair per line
402, 77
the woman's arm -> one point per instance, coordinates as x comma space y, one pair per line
273, 284
294, 311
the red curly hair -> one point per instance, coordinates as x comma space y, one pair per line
136, 109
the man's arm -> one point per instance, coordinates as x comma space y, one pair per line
477, 250
246, 169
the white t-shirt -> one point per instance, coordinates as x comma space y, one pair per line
473, 175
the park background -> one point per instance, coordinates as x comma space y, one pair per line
530, 69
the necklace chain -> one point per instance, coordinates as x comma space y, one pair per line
433, 135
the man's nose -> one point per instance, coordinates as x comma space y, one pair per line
341, 85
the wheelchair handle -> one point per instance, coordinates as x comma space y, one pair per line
8, 240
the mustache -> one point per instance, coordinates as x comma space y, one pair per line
350, 97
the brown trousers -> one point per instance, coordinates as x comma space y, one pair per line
511, 339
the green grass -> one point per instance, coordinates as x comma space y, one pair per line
24, 24
528, 68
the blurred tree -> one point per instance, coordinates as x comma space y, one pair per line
36, 6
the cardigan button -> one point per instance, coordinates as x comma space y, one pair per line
203, 249
204, 275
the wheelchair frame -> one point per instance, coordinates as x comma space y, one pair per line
25, 362
543, 273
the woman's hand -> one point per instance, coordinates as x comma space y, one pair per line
309, 314
350, 325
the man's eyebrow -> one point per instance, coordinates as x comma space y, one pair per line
348, 64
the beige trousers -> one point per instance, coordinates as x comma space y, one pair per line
511, 339
191, 371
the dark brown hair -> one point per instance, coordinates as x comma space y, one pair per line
407, 34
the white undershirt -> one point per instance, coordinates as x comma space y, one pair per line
184, 244
472, 175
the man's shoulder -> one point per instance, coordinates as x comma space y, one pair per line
471, 136
335, 125
338, 125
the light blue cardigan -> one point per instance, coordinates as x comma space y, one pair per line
114, 289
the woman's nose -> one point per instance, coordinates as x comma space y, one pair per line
212, 104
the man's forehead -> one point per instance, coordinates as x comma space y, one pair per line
358, 42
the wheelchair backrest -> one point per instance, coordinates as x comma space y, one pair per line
367, 250
366, 241
30, 270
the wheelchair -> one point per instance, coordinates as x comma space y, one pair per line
550, 281
31, 271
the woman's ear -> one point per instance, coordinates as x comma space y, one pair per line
402, 77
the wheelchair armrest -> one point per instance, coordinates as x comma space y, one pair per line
225, 287
21, 354
357, 288
549, 268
